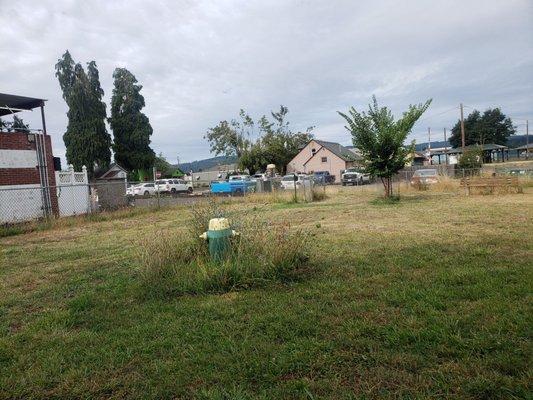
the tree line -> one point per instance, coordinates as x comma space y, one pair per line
87, 140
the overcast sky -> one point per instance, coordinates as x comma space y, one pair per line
201, 61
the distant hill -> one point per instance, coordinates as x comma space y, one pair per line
517, 140
202, 165
434, 145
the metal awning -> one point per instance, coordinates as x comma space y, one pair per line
524, 147
484, 148
10, 103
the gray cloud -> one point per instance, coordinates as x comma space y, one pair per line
200, 62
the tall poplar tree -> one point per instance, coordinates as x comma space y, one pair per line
86, 140
131, 128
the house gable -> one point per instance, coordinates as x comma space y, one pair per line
114, 172
322, 153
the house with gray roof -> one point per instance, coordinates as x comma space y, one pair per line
320, 155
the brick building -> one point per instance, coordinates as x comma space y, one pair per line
27, 173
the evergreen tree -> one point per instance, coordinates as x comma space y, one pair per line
86, 140
131, 128
490, 127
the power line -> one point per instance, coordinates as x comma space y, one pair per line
436, 115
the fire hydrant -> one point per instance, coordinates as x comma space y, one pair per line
218, 237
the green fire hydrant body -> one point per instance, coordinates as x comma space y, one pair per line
218, 238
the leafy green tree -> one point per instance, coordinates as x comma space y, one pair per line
231, 138
131, 127
490, 127
19, 125
162, 165
471, 160
381, 139
86, 140
280, 144
275, 142
254, 159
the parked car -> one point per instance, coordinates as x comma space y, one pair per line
259, 177
143, 189
236, 184
323, 177
424, 177
354, 176
173, 186
288, 181
129, 189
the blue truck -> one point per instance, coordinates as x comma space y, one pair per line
236, 185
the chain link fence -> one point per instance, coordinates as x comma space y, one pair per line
28, 202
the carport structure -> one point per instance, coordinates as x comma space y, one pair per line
491, 152
11, 104
18, 167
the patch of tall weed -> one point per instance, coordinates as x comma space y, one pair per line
263, 252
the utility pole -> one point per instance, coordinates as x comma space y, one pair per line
527, 139
445, 147
429, 146
156, 187
462, 129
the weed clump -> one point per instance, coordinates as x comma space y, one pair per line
263, 252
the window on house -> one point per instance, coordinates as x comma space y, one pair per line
324, 159
313, 151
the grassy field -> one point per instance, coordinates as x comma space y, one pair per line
427, 298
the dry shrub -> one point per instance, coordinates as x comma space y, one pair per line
444, 185
318, 193
263, 252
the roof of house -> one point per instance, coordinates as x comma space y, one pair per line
112, 172
11, 103
339, 150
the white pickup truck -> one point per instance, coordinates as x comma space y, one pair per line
354, 176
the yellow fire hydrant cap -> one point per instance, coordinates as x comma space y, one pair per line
218, 224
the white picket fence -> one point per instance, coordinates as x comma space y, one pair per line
73, 192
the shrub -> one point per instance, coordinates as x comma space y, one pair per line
318, 193
471, 160
172, 265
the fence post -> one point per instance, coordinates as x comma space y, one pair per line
88, 195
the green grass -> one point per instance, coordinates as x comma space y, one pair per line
426, 298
